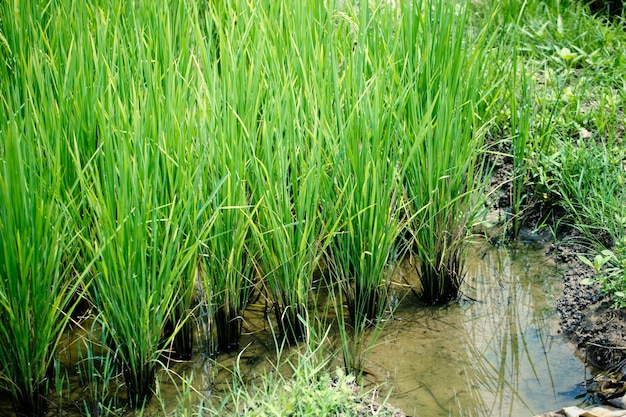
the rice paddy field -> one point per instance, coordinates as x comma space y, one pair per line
165, 165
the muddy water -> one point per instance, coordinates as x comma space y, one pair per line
495, 353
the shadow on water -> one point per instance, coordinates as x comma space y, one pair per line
497, 352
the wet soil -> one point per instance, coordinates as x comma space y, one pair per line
587, 316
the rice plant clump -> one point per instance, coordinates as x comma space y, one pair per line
39, 275
142, 187
230, 97
286, 172
441, 166
36, 287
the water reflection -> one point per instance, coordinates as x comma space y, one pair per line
495, 353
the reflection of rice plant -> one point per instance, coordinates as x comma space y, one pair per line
509, 350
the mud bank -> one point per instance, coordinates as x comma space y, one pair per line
586, 315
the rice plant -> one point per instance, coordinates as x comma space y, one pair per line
365, 192
519, 119
36, 285
144, 254
442, 170
39, 272
289, 234
142, 188
520, 131
361, 258
228, 265
287, 176
232, 143
227, 269
230, 99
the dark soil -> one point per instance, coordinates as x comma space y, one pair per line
588, 317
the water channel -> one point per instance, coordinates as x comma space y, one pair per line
497, 352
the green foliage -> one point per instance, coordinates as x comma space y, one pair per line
228, 108
36, 286
38, 277
610, 269
140, 187
578, 73
303, 397
298, 386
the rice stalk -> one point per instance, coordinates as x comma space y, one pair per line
288, 233
287, 176
366, 189
231, 93
39, 270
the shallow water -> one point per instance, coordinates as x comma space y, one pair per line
495, 353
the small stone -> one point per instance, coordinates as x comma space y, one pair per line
584, 133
